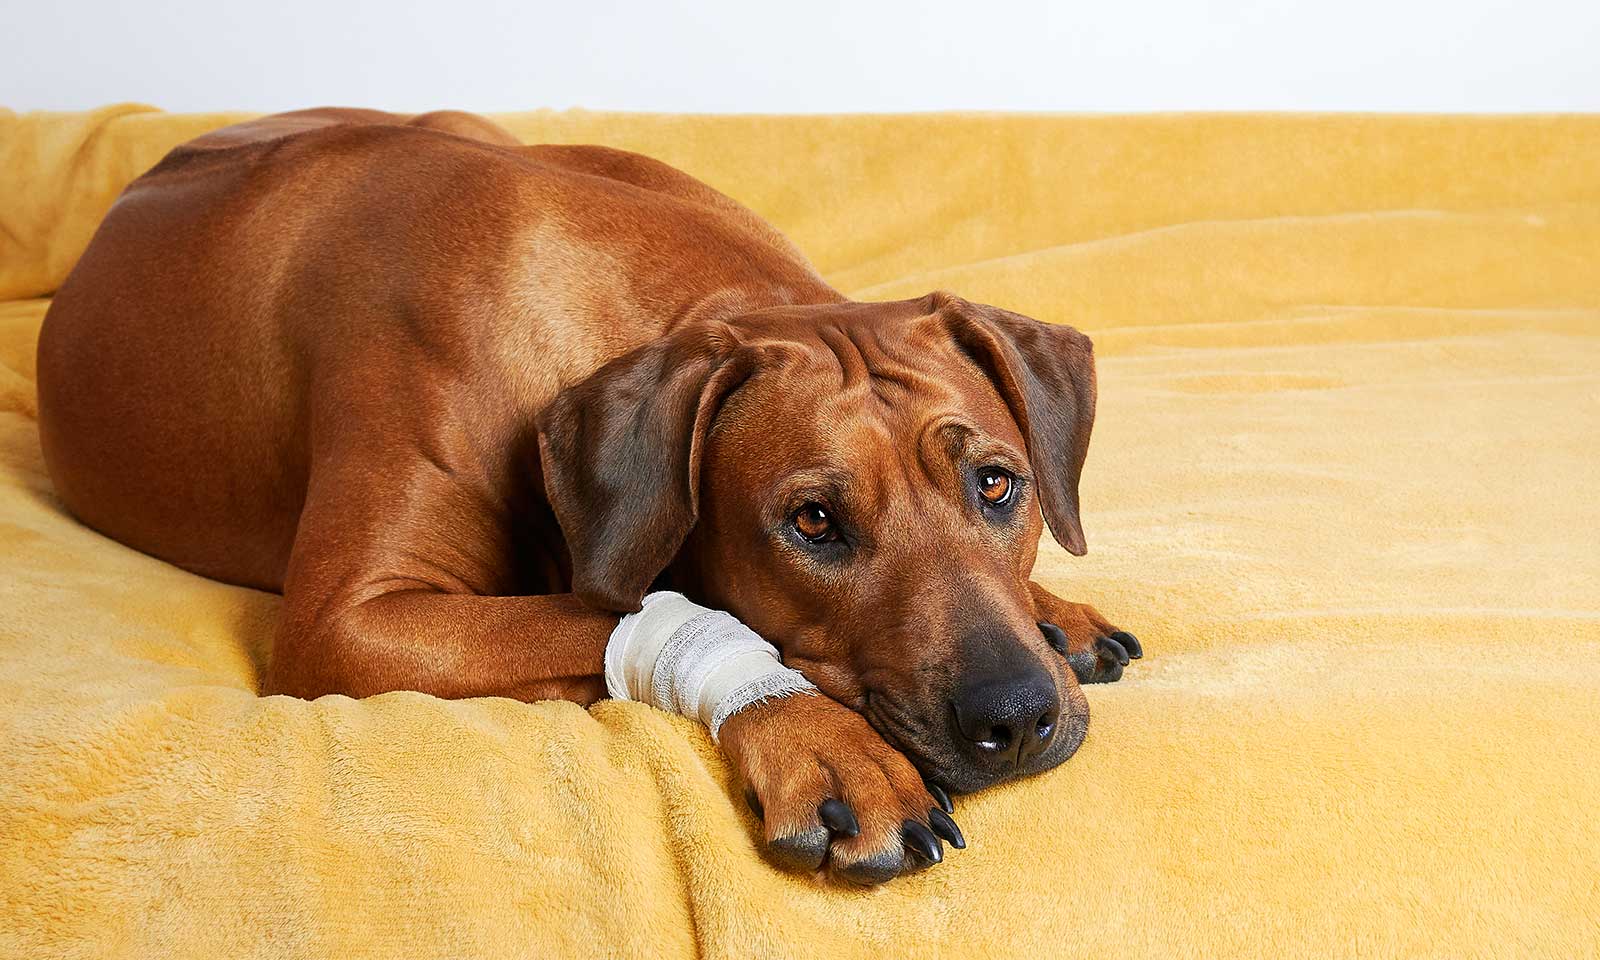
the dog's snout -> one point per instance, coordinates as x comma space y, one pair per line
1007, 718
1010, 708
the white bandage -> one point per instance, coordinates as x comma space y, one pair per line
684, 658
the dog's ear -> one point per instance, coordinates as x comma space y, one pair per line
1045, 374
620, 452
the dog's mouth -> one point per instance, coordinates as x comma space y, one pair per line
939, 751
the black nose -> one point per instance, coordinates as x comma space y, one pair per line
1008, 718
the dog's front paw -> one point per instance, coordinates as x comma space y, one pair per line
1096, 650
834, 798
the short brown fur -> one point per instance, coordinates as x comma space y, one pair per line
463, 401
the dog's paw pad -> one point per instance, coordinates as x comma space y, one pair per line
802, 850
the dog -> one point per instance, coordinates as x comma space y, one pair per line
463, 402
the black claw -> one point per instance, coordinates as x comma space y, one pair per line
1129, 643
939, 796
1055, 636
1111, 648
945, 827
839, 817
921, 841
754, 803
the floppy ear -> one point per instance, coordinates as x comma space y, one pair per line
620, 452
1045, 374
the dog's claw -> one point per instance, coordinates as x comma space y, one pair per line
939, 796
754, 803
1097, 650
1105, 661
945, 826
921, 841
838, 817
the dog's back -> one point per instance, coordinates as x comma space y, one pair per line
274, 285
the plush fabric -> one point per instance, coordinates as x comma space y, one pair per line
1343, 487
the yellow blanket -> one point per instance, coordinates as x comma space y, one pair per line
1343, 486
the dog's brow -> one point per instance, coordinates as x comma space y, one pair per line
955, 433
942, 442
824, 481
962, 440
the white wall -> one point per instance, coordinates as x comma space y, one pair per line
806, 55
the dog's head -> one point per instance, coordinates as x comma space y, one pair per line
861, 484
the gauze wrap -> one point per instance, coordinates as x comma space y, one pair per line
684, 658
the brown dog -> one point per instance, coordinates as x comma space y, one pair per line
463, 402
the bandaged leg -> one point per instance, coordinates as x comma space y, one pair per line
684, 658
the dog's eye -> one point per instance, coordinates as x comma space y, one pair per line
814, 524
996, 486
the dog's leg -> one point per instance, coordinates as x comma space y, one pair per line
446, 644
385, 591
1096, 650
390, 586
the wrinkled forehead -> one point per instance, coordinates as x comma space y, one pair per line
870, 397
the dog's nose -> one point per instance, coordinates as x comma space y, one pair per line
1010, 718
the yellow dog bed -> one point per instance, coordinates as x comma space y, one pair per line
1343, 486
